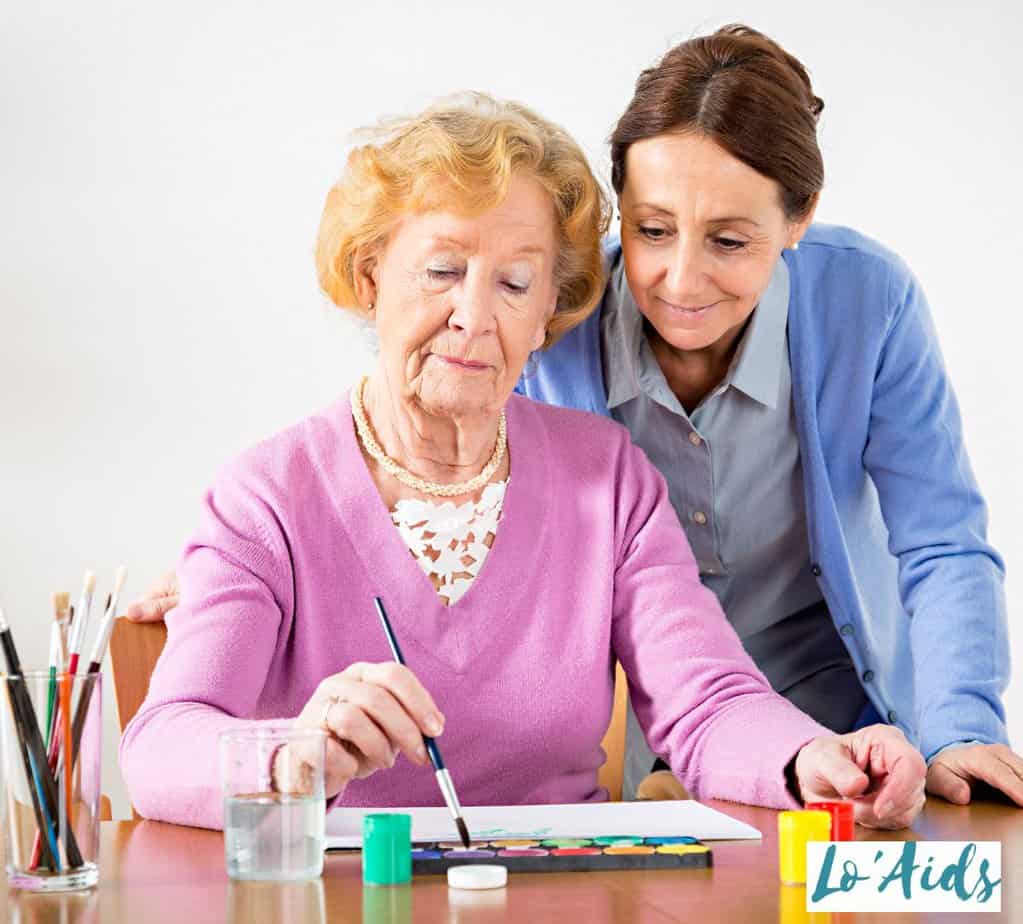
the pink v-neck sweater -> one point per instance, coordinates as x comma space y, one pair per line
589, 565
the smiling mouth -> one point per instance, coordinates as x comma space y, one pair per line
688, 310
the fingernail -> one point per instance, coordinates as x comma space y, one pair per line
421, 754
434, 725
888, 809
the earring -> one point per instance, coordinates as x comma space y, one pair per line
795, 246
369, 307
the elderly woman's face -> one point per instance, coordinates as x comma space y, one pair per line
701, 232
462, 301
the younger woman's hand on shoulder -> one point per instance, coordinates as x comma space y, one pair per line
372, 713
875, 767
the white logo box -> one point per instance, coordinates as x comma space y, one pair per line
904, 876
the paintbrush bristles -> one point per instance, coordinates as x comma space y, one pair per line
3, 622
89, 582
463, 832
119, 579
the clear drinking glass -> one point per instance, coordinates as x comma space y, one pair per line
274, 806
50, 814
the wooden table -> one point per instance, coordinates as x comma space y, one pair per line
154, 873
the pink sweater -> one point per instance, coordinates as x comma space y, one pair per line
589, 565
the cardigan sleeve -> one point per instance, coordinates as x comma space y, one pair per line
221, 638
701, 701
950, 578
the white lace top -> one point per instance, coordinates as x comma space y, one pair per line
450, 541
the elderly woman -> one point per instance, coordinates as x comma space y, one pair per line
470, 235
786, 380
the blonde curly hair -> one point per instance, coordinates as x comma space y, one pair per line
460, 154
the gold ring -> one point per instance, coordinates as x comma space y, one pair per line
333, 701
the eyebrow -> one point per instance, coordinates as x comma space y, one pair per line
447, 239
724, 220
462, 244
734, 219
531, 249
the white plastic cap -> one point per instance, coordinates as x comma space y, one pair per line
477, 877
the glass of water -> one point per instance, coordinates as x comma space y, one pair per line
274, 807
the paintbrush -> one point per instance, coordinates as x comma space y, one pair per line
74, 730
62, 723
80, 622
106, 626
99, 648
34, 756
16, 690
76, 636
79, 626
63, 613
447, 787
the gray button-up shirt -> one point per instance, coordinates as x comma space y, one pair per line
734, 477
737, 453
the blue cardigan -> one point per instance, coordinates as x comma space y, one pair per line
896, 521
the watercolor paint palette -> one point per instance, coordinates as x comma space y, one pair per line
566, 855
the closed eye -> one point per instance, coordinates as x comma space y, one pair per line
652, 233
442, 274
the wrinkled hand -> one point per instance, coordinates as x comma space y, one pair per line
955, 771
157, 602
371, 712
875, 767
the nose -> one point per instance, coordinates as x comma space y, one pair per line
473, 304
685, 274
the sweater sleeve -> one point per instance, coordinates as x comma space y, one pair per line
950, 578
235, 586
701, 701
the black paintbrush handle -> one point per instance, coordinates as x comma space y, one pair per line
52, 793
42, 822
34, 742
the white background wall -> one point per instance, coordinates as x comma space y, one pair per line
163, 167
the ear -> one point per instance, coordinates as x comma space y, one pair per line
364, 277
799, 228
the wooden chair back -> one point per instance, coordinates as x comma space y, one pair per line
612, 773
134, 650
136, 646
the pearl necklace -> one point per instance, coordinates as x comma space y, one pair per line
407, 478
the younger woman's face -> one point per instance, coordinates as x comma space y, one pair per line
701, 232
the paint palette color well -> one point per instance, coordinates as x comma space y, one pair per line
566, 855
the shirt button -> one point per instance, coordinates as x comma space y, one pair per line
815, 570
868, 676
892, 716
846, 630
694, 438
700, 517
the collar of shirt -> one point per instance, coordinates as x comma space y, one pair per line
630, 366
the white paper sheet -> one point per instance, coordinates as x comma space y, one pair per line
588, 819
